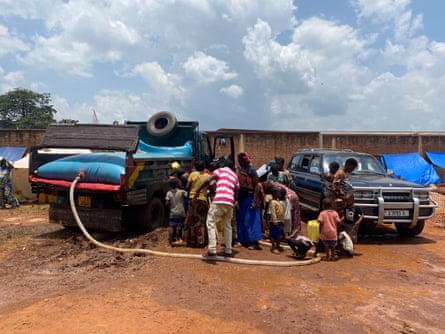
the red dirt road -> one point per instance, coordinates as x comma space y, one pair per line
53, 281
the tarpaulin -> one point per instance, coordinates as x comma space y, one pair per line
12, 153
437, 158
411, 167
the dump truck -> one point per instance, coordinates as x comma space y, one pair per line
125, 177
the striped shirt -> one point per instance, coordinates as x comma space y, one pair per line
226, 184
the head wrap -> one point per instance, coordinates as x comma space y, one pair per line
244, 156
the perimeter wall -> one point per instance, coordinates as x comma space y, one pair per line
264, 145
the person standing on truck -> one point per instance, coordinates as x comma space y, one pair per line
174, 199
195, 234
221, 208
249, 216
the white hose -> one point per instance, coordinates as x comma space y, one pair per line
180, 255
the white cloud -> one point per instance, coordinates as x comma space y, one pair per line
10, 44
206, 69
233, 91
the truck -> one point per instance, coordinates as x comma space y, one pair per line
381, 198
125, 177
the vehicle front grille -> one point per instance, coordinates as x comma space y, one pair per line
396, 196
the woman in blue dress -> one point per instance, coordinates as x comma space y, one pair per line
248, 216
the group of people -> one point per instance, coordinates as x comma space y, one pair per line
234, 201
222, 198
8, 199
340, 218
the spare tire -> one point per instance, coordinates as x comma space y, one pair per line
161, 124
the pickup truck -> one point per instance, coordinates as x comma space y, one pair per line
382, 199
125, 178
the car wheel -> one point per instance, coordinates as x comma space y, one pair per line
405, 231
161, 124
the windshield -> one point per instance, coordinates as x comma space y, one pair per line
366, 163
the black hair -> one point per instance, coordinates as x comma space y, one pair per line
352, 162
199, 165
334, 166
173, 183
228, 163
326, 203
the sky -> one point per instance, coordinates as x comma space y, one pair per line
302, 65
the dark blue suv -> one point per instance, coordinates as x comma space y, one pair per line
382, 199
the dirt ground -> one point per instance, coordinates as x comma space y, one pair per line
52, 280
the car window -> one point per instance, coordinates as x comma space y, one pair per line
315, 164
306, 161
293, 165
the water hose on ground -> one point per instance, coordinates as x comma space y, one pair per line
177, 255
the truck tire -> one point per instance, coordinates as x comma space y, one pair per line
403, 230
161, 124
151, 216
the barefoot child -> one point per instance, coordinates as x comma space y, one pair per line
174, 199
329, 221
276, 221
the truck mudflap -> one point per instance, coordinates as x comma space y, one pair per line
95, 219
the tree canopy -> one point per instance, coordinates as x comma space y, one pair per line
24, 109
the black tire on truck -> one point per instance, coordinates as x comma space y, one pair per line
404, 230
151, 216
161, 124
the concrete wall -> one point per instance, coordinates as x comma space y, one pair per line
264, 145
20, 138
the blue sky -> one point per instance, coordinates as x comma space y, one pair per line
357, 65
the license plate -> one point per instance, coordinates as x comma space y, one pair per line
84, 201
397, 213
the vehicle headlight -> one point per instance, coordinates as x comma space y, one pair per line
422, 195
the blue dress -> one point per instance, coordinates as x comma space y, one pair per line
248, 220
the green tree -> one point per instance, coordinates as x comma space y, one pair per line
24, 109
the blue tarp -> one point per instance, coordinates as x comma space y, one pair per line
437, 158
145, 149
12, 153
411, 167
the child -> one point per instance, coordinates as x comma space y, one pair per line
287, 221
174, 199
329, 221
352, 217
276, 221
300, 244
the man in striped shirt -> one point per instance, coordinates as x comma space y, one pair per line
221, 208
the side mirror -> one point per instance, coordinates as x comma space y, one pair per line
390, 172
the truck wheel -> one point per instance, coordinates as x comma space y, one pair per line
403, 230
161, 124
151, 216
